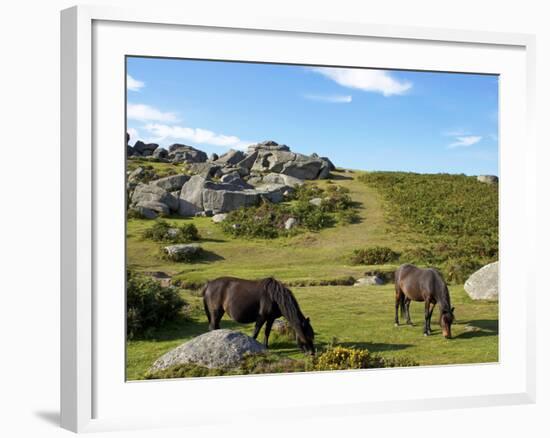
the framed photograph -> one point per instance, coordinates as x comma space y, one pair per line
257, 206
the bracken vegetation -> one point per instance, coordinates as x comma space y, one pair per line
457, 215
312, 207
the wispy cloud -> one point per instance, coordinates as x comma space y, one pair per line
466, 141
133, 84
329, 98
162, 133
134, 134
146, 113
376, 81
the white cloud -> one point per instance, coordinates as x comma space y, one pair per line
376, 81
162, 133
134, 134
466, 141
133, 84
329, 98
146, 113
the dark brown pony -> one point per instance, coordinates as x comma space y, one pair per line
416, 284
263, 301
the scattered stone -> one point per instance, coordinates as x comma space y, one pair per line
135, 175
220, 217
483, 284
215, 349
290, 223
488, 179
316, 201
214, 157
207, 170
373, 280
162, 277
182, 252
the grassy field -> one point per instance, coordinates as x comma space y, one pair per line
346, 315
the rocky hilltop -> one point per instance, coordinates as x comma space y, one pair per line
218, 184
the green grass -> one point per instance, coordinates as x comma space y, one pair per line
359, 316
351, 316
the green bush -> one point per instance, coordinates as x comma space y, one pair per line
458, 270
266, 221
162, 231
311, 217
376, 255
149, 305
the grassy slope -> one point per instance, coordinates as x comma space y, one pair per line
361, 316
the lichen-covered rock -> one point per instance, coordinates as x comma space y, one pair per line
145, 148
182, 252
153, 193
231, 157
216, 349
483, 284
181, 153
171, 183
370, 280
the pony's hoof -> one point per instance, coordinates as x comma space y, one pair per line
396, 324
425, 334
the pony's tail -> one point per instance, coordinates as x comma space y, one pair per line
204, 289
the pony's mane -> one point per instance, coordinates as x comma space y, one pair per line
285, 300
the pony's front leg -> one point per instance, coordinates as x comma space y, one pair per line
259, 322
427, 330
268, 326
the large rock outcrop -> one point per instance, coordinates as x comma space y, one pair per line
223, 349
236, 179
483, 284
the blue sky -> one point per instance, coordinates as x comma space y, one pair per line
360, 118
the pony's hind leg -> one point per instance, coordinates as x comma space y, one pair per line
214, 319
408, 311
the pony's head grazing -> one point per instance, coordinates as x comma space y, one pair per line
446, 320
291, 311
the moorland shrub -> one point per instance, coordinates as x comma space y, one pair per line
162, 231
457, 215
333, 359
149, 305
375, 255
267, 221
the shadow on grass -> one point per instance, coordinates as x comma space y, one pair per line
375, 347
479, 328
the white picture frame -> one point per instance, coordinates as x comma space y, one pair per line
92, 390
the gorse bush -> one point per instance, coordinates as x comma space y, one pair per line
332, 359
376, 255
457, 214
162, 231
149, 305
